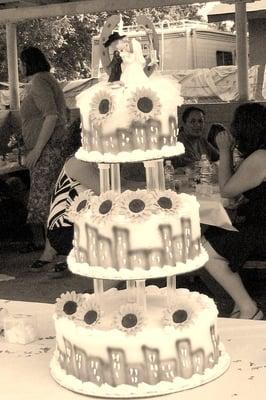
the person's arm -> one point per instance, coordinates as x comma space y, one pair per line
45, 134
86, 173
212, 153
251, 173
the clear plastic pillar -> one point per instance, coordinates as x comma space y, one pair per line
104, 186
115, 178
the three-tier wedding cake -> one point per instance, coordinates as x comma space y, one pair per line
142, 340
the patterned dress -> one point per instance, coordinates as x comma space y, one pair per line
59, 228
43, 97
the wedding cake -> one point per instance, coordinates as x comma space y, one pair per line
142, 340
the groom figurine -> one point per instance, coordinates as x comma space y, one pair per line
115, 65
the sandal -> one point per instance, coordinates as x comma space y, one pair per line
258, 315
59, 271
235, 314
38, 265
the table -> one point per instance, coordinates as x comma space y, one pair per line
24, 369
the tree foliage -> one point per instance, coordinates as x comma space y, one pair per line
67, 40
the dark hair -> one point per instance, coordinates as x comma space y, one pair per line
213, 132
189, 110
249, 128
34, 60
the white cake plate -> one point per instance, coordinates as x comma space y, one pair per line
99, 272
130, 156
142, 390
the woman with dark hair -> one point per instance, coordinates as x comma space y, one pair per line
192, 135
45, 134
229, 250
213, 132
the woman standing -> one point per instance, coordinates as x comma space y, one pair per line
44, 117
229, 250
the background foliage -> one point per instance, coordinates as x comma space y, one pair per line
67, 40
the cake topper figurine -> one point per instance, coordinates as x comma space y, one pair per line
114, 67
126, 53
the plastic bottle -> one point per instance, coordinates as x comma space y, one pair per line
205, 170
169, 172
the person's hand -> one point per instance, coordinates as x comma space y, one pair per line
32, 158
225, 141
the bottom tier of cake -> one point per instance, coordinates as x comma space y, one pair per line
134, 344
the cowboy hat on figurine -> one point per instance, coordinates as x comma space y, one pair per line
113, 38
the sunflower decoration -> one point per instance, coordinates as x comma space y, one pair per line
102, 105
144, 104
178, 315
137, 205
104, 207
68, 304
167, 201
89, 314
129, 319
80, 205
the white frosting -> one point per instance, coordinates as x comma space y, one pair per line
123, 115
138, 273
136, 231
132, 156
143, 389
153, 333
93, 340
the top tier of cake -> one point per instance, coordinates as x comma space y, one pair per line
134, 119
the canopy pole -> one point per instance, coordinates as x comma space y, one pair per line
242, 50
12, 60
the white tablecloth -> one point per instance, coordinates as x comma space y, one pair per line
24, 369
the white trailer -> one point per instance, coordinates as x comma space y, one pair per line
183, 45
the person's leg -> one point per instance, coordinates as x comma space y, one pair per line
218, 267
48, 253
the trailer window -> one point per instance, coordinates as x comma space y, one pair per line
224, 58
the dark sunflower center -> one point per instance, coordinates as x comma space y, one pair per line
129, 320
81, 205
165, 202
145, 104
136, 205
105, 207
70, 307
179, 316
90, 317
104, 106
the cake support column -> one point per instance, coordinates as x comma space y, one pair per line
151, 175
104, 186
104, 177
171, 288
131, 291
155, 174
115, 178
141, 295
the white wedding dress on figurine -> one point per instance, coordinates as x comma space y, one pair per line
132, 65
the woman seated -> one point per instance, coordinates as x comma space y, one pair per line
229, 250
75, 177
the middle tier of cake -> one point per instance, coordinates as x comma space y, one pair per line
136, 235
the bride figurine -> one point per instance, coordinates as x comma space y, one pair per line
131, 60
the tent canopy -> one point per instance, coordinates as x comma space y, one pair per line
224, 12
16, 10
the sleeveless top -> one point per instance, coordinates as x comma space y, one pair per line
65, 191
255, 209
